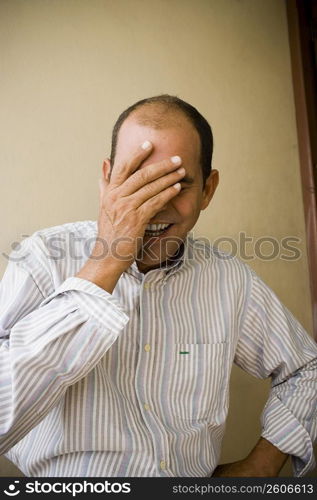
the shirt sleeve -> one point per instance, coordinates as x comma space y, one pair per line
48, 344
273, 344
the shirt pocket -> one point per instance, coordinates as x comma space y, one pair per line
199, 387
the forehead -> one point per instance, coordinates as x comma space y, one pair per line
174, 136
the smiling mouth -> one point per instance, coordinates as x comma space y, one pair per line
157, 229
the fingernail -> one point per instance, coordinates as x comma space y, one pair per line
180, 170
176, 160
146, 145
177, 185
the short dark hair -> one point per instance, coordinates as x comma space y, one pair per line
172, 103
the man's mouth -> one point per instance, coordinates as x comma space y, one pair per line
156, 229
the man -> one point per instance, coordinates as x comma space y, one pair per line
119, 364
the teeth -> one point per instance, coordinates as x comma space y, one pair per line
156, 227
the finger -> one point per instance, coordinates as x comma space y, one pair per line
152, 206
149, 174
122, 171
154, 188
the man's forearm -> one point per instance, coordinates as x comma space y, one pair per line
265, 460
267, 457
105, 272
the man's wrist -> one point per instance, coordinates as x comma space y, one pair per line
104, 273
267, 458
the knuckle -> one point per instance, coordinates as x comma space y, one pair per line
160, 169
166, 181
155, 201
135, 160
111, 197
147, 189
121, 166
121, 170
142, 213
143, 175
111, 200
168, 164
126, 205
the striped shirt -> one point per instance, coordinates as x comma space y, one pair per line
136, 383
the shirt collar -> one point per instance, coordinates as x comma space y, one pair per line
174, 264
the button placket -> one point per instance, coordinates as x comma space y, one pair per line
162, 465
144, 358
142, 382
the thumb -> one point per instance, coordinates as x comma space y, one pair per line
102, 189
106, 170
104, 180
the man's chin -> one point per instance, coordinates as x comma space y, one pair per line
145, 265
158, 252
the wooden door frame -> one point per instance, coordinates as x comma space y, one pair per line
306, 119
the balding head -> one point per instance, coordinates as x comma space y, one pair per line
163, 112
159, 115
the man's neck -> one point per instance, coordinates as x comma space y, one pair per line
143, 268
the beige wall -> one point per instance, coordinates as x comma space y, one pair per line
70, 66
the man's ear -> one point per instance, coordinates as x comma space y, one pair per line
106, 169
211, 184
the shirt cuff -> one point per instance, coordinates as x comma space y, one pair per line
96, 302
284, 431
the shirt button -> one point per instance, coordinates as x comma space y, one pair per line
162, 465
146, 407
147, 285
147, 347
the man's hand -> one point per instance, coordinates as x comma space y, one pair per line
265, 460
131, 198
128, 201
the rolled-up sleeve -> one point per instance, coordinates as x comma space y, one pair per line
93, 300
272, 343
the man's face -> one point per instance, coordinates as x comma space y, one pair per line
183, 210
